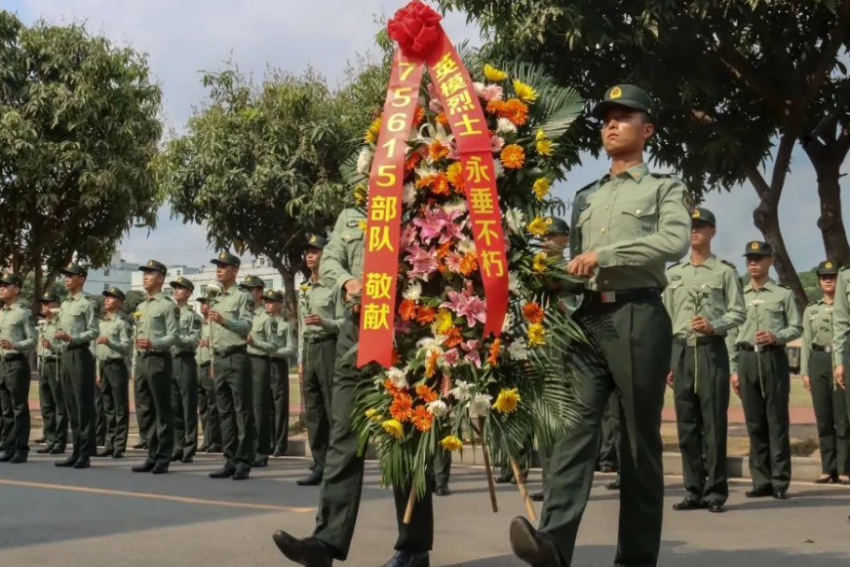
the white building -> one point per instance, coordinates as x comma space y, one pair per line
119, 274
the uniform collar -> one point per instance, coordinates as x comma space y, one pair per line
710, 262
769, 286
158, 296
636, 173
76, 296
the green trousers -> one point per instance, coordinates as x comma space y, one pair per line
184, 405
52, 403
142, 403
831, 423
155, 376
14, 401
442, 468
318, 372
629, 351
261, 387
280, 405
764, 388
211, 426
114, 388
100, 411
610, 433
339, 497
78, 389
234, 399
702, 416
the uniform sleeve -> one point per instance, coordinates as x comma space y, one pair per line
121, 346
334, 268
334, 325
242, 324
735, 313
793, 321
840, 320
733, 349
90, 332
286, 344
269, 342
169, 339
30, 335
806, 348
669, 243
575, 233
668, 297
196, 325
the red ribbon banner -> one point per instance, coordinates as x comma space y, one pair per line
422, 41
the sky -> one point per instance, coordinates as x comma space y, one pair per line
184, 38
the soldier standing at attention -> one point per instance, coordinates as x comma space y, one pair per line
77, 329
760, 373
231, 320
704, 299
840, 335
113, 350
285, 351
156, 333
626, 227
17, 338
184, 387
53, 410
207, 409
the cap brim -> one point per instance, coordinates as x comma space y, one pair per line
703, 221
150, 269
65, 272
756, 254
178, 284
829, 272
116, 296
601, 107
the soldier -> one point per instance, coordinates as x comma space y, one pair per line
17, 338
840, 335
209, 413
342, 267
184, 387
704, 300
113, 350
285, 350
626, 227
53, 410
77, 329
322, 314
155, 335
760, 373
231, 325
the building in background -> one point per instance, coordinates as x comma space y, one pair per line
119, 274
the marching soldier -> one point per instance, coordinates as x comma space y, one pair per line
342, 267
113, 350
231, 325
261, 344
840, 335
322, 314
207, 410
760, 373
53, 410
155, 334
77, 329
285, 351
184, 388
626, 227
17, 338
704, 300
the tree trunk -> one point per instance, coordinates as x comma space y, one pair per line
290, 298
827, 161
38, 283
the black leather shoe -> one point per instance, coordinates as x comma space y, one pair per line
313, 479
309, 552
145, 467
176, 457
140, 446
408, 559
442, 491
759, 492
104, 453
616, 485
118, 455
241, 474
830, 479
160, 467
530, 545
187, 460
214, 449
40, 440
261, 462
780, 494
538, 497
82, 463
57, 450
688, 504
225, 472
715, 506
203, 448
67, 463
6, 457
18, 458
43, 450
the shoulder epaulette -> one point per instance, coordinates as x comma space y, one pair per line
844, 268
663, 175
811, 303
674, 265
784, 286
730, 264
585, 188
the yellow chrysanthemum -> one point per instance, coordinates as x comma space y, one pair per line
372, 415
394, 428
443, 321
360, 194
539, 262
371, 135
494, 74
541, 188
525, 92
536, 334
451, 443
539, 226
137, 315
507, 401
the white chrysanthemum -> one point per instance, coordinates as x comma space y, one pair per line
518, 350
466, 246
514, 218
425, 171
480, 406
508, 323
479, 88
456, 206
461, 391
437, 408
364, 160
513, 282
505, 126
397, 378
409, 193
498, 169
427, 343
413, 291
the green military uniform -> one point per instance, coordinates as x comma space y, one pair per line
157, 323
840, 330
232, 375
77, 318
701, 368
285, 351
16, 327
207, 411
52, 402
342, 261
828, 399
114, 377
184, 385
764, 377
264, 333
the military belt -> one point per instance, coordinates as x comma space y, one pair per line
118, 360
260, 356
319, 339
623, 296
150, 353
78, 346
49, 358
205, 364
238, 349
13, 357
760, 348
706, 340
184, 354
819, 348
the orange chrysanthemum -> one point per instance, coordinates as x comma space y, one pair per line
533, 312
453, 338
431, 363
455, 174
495, 106
413, 161
426, 394
401, 408
408, 309
442, 119
512, 156
391, 389
516, 111
444, 249
419, 115
493, 354
422, 419
469, 264
436, 182
436, 151
425, 315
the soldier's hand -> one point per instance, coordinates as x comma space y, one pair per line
765, 338
702, 326
670, 378
203, 343
45, 343
102, 340
734, 383
144, 344
62, 336
353, 289
583, 265
839, 375
314, 320
7, 344
215, 317
806, 381
250, 340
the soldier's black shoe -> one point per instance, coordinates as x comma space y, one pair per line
760, 492
102, 454
688, 504
145, 467
141, 445
309, 552
225, 472
534, 547
408, 559
160, 467
6, 457
176, 457
442, 491
57, 450
780, 494
40, 440
67, 463
537, 497
214, 449
261, 462
118, 455
43, 450
616, 485
187, 459
715, 506
241, 474
313, 479
203, 448
82, 463
829, 479
19, 458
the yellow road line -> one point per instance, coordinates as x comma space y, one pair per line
166, 497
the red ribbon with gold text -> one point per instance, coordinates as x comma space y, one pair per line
422, 41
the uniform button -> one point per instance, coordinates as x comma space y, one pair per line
638, 211
603, 230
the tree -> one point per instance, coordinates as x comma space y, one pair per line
78, 129
738, 82
260, 165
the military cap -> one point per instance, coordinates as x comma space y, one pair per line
316, 241
758, 248
272, 295
49, 297
115, 292
704, 216
629, 96
9, 278
203, 298
251, 282
225, 258
74, 269
184, 283
558, 226
154, 266
828, 268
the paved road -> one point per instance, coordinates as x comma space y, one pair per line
107, 516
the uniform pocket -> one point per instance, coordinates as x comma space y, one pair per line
637, 219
